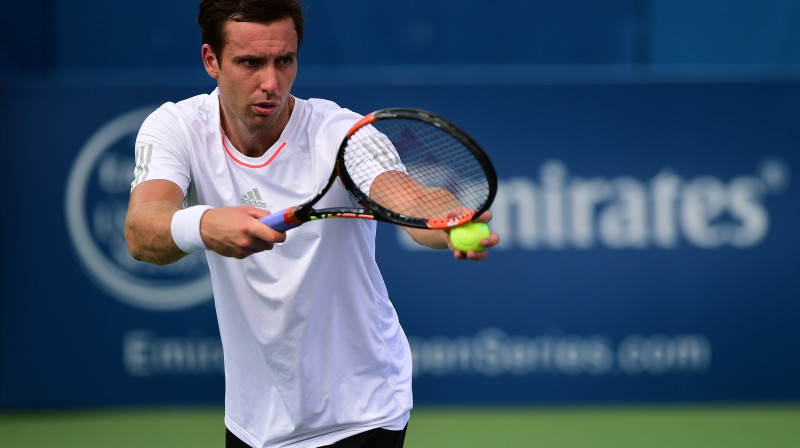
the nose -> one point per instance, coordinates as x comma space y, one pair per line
269, 80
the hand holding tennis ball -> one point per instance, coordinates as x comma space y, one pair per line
468, 237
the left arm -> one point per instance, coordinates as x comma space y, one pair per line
426, 201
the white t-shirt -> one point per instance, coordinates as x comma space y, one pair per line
313, 348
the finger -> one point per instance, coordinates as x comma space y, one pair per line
256, 213
245, 252
459, 254
266, 233
483, 217
477, 255
492, 240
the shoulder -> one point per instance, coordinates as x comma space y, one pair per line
197, 112
321, 106
318, 112
319, 122
182, 127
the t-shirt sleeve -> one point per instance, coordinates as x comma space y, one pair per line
372, 154
162, 149
369, 154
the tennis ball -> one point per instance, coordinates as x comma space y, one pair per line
468, 237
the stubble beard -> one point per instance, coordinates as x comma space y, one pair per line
252, 121
255, 122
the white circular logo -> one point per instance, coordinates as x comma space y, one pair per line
96, 201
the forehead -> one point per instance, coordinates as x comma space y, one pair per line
275, 37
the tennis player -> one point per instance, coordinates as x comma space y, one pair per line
314, 352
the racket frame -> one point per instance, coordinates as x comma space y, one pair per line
383, 214
297, 215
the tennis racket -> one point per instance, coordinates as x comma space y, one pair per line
407, 167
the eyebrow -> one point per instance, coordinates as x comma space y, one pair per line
252, 57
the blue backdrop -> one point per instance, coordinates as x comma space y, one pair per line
647, 207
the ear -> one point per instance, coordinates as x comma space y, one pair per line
210, 62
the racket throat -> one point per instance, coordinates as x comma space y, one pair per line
294, 216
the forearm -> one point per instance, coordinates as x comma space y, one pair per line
148, 233
434, 239
398, 192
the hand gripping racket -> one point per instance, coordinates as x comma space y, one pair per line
408, 167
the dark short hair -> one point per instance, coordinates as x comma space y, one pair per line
213, 14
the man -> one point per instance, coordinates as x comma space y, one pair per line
314, 352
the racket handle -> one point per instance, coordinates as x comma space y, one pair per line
280, 221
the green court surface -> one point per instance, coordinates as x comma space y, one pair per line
614, 427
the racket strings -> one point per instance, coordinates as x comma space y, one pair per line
416, 169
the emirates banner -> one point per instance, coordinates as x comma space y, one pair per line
649, 237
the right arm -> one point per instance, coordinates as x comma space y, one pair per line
147, 224
229, 231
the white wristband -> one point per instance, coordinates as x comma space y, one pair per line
186, 228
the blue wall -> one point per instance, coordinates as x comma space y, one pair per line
647, 210
89, 34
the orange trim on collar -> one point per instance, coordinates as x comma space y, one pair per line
247, 164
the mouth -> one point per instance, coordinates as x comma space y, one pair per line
265, 108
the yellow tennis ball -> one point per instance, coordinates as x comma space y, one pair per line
468, 237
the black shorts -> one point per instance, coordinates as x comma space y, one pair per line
376, 438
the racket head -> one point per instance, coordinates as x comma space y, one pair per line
413, 148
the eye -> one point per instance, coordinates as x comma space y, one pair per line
249, 62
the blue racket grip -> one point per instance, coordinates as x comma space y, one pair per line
278, 221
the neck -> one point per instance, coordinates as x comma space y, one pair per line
254, 142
